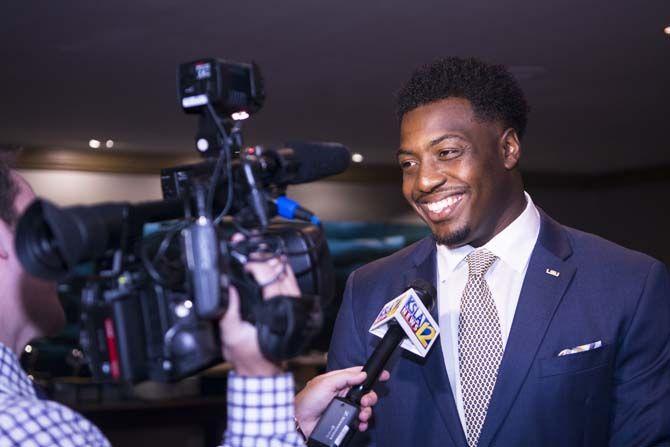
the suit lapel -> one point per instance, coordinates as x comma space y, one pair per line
433, 370
540, 296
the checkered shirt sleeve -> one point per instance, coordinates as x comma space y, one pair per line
27, 421
260, 412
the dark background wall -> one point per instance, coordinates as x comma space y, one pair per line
636, 216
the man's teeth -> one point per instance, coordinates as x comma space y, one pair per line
436, 207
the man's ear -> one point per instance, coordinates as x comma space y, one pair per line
6, 240
511, 148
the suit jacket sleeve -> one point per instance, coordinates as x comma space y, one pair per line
347, 346
641, 401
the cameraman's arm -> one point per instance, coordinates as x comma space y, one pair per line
239, 339
260, 396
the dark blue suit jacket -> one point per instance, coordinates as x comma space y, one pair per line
616, 395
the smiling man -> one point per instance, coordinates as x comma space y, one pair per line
549, 336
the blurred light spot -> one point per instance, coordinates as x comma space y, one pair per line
202, 144
182, 311
239, 116
356, 157
109, 144
94, 144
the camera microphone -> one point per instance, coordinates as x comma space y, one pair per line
298, 162
404, 321
315, 160
291, 164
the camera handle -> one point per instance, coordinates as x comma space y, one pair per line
201, 248
257, 198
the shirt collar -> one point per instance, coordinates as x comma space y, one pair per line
513, 245
450, 258
13, 380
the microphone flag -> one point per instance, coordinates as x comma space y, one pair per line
411, 315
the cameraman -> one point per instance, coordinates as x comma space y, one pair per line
29, 308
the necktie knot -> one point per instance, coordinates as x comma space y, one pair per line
479, 262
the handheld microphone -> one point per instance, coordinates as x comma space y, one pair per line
404, 321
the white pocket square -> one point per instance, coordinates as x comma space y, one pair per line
581, 348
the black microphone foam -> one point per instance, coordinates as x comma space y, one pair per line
426, 292
317, 160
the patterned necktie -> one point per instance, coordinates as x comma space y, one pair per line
480, 346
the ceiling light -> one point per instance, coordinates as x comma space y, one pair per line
109, 144
356, 157
94, 144
666, 30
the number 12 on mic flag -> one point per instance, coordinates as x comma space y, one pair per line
408, 311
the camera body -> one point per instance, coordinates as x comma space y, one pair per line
160, 271
144, 332
136, 328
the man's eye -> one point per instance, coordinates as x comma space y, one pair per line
406, 164
449, 153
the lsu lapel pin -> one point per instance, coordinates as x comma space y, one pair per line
553, 273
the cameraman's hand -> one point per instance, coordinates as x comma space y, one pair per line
313, 400
239, 339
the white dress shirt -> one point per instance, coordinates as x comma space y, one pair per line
513, 247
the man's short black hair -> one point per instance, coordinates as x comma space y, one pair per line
494, 93
8, 189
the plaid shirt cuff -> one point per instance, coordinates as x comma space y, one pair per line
260, 411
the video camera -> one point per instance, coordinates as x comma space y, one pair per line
159, 271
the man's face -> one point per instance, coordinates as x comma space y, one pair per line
456, 172
38, 297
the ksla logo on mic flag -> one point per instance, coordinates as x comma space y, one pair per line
410, 313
